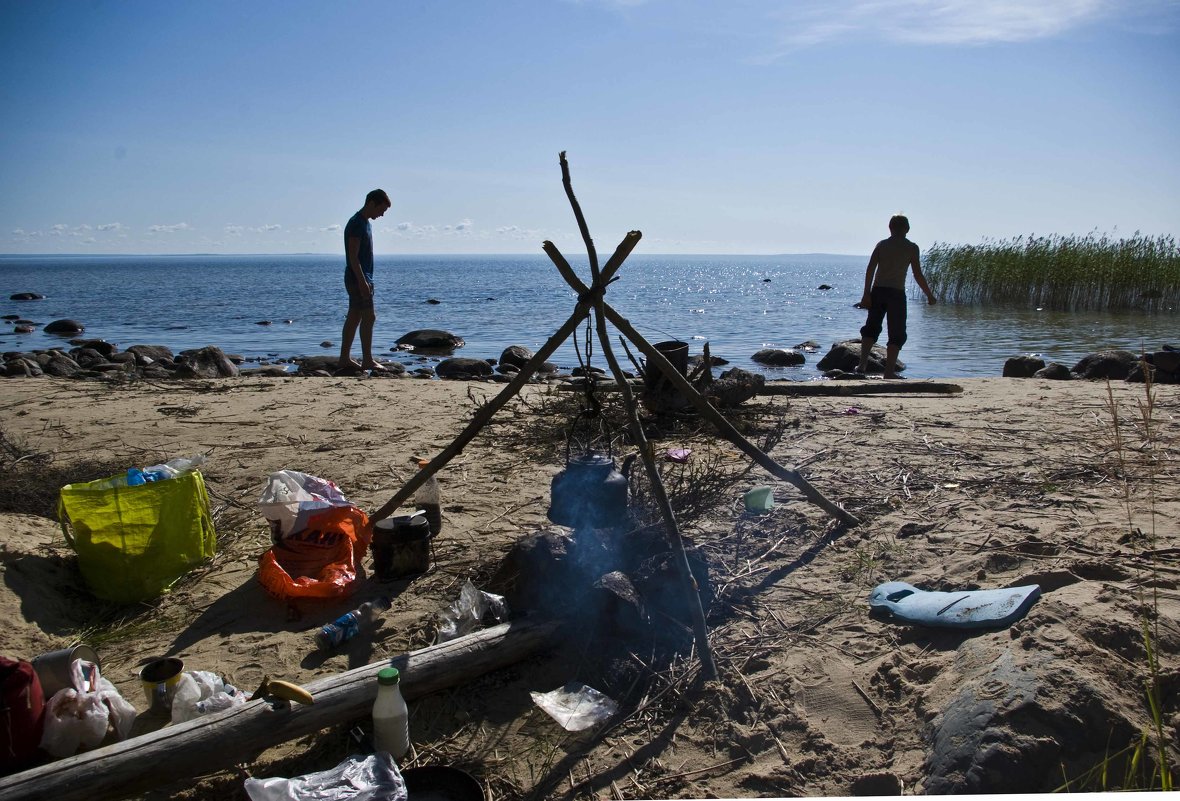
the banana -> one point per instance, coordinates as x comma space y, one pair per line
288, 691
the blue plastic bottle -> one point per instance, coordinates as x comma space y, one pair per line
135, 477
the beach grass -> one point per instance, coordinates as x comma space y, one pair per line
1060, 273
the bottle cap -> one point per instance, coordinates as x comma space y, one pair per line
387, 676
422, 463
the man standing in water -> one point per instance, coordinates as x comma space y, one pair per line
358, 281
884, 295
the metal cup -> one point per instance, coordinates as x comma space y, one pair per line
53, 668
159, 679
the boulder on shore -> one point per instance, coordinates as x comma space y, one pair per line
463, 368
779, 357
431, 339
1023, 366
1116, 364
845, 356
208, 362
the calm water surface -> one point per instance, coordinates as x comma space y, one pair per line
739, 304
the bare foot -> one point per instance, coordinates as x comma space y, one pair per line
376, 367
348, 364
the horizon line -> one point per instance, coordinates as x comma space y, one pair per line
335, 255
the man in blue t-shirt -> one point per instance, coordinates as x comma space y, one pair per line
358, 281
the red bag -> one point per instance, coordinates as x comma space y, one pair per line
322, 560
22, 714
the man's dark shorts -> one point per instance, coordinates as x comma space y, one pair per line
358, 302
888, 304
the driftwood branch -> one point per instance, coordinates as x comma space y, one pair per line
214, 742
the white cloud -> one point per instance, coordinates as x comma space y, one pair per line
331, 229
271, 227
235, 230
948, 22
111, 227
59, 229
169, 229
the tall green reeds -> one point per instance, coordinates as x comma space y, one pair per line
1062, 273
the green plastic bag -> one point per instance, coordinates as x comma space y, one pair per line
134, 542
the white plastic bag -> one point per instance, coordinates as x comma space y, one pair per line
201, 692
371, 778
575, 706
290, 496
465, 615
79, 718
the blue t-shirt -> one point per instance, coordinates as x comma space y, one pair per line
359, 227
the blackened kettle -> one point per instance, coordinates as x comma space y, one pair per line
590, 492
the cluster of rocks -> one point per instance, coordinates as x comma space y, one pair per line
1161, 366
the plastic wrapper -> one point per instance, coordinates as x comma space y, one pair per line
291, 497
200, 693
77, 718
472, 609
575, 706
371, 778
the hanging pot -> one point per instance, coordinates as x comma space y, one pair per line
590, 492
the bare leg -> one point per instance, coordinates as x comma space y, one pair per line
367, 322
346, 335
866, 348
891, 352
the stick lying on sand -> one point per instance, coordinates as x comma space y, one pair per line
858, 388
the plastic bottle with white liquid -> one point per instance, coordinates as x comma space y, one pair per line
391, 716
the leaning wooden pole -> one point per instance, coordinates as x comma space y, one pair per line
706, 409
598, 288
221, 740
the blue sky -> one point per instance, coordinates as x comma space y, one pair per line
735, 126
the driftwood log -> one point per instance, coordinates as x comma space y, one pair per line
842, 388
214, 742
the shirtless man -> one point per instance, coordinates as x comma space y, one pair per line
358, 281
884, 295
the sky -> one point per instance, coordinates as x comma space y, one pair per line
723, 126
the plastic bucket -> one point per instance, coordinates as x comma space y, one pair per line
53, 668
760, 500
401, 547
159, 679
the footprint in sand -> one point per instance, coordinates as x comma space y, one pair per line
834, 706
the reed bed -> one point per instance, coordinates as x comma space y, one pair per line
1062, 273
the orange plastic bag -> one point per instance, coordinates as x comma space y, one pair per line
320, 561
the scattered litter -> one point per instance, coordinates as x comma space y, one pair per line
575, 706
679, 455
852, 410
472, 608
291, 497
371, 778
759, 500
76, 717
200, 693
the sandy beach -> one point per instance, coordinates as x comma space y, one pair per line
1011, 482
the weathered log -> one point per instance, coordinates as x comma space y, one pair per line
844, 389
214, 742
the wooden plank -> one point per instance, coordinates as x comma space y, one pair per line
218, 741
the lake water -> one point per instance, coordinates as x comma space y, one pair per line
739, 304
